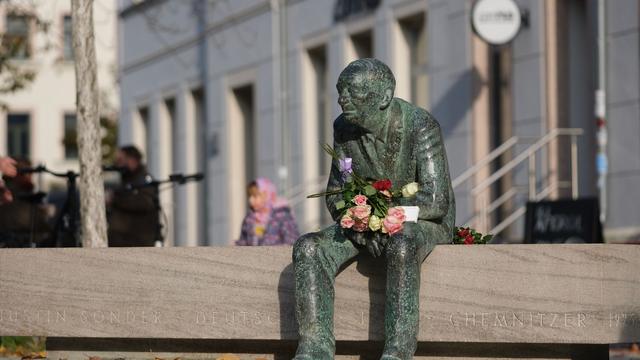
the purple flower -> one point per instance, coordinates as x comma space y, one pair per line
345, 168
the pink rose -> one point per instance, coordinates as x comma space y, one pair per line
360, 200
393, 223
397, 212
347, 222
361, 212
361, 226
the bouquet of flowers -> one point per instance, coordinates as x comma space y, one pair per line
468, 236
365, 203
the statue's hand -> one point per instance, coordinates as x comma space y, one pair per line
356, 237
376, 243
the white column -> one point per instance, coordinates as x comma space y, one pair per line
186, 195
3, 130
161, 151
382, 35
399, 59
127, 132
153, 143
310, 141
338, 58
236, 174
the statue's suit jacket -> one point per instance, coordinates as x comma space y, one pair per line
412, 150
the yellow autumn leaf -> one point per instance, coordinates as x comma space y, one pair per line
228, 357
20, 351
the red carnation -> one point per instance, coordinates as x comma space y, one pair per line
382, 185
468, 240
463, 233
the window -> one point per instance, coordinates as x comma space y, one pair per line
70, 137
199, 144
415, 35
318, 58
168, 159
244, 98
242, 149
67, 49
18, 136
16, 37
362, 45
324, 124
346, 8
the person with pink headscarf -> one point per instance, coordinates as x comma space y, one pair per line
269, 220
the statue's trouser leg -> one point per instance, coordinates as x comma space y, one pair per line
405, 253
316, 260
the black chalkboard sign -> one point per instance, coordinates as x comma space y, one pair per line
563, 221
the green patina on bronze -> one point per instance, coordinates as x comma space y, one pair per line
387, 138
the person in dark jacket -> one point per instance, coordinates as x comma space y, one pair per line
269, 220
133, 212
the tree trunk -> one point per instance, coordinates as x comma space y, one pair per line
92, 208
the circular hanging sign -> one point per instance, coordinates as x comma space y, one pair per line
496, 21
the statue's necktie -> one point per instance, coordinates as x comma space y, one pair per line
375, 151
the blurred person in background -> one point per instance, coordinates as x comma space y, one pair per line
132, 210
269, 220
24, 220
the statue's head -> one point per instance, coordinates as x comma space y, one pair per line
365, 87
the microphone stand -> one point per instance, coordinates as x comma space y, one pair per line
155, 184
66, 224
34, 200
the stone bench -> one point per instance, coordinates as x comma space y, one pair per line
491, 301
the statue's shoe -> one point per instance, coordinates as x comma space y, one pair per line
314, 354
311, 357
389, 357
302, 357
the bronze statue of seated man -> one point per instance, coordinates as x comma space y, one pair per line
386, 138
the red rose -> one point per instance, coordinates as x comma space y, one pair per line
463, 233
468, 240
382, 185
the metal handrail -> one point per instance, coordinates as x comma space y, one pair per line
530, 155
500, 150
519, 212
525, 155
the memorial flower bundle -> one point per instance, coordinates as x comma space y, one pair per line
365, 203
469, 236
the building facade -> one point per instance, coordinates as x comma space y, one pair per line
39, 122
246, 88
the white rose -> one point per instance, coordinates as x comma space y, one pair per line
410, 189
375, 223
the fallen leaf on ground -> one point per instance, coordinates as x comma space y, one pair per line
228, 357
